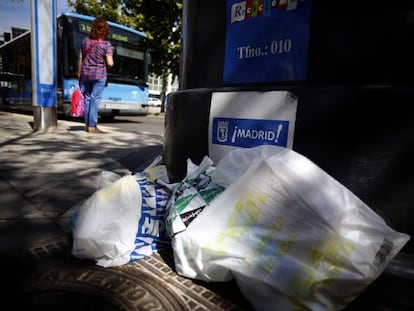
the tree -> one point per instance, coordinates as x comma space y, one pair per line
111, 10
159, 19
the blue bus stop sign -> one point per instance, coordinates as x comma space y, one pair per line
43, 41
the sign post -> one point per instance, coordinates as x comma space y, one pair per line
43, 47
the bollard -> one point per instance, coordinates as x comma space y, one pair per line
43, 47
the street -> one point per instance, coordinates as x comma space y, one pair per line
151, 123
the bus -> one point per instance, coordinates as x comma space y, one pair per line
127, 90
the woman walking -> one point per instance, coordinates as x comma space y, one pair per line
95, 57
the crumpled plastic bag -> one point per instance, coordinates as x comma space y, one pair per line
291, 235
106, 224
191, 196
124, 220
151, 233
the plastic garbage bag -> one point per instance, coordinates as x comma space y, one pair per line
191, 196
107, 178
151, 233
106, 224
133, 212
291, 235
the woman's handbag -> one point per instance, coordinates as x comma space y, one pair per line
77, 108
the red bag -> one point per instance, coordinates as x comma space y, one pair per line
77, 104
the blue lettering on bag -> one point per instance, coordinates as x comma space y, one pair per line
151, 235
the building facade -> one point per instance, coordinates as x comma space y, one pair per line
155, 85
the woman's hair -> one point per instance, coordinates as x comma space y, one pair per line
100, 29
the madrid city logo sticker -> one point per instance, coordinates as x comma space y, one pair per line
249, 132
222, 131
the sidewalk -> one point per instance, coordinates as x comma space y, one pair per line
44, 178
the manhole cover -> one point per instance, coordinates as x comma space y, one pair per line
49, 278
79, 287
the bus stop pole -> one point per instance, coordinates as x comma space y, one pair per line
43, 47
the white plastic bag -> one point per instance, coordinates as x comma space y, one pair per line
191, 196
107, 178
121, 223
291, 235
106, 225
151, 233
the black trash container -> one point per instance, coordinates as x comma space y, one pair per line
354, 83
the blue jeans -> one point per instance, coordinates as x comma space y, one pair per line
92, 92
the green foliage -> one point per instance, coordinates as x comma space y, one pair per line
161, 21
111, 10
